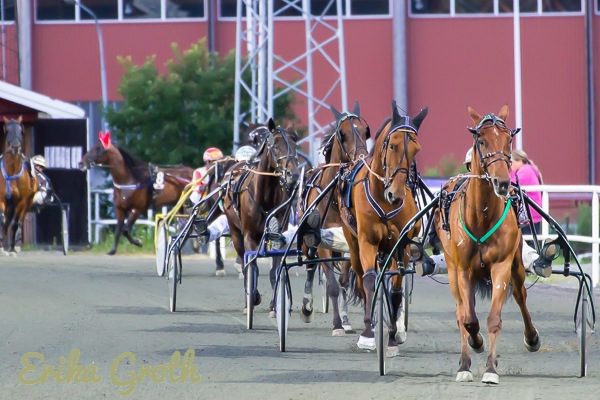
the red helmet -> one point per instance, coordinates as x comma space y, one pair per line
212, 154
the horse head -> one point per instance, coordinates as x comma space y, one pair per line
397, 145
351, 133
99, 154
279, 146
14, 135
492, 148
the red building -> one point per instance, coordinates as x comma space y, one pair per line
459, 53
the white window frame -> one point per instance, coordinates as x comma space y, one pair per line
496, 13
120, 18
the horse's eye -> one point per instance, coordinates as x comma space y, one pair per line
480, 142
392, 147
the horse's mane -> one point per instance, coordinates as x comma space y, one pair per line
381, 128
137, 167
327, 143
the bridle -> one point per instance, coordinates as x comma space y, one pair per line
14, 137
403, 126
487, 159
268, 145
359, 142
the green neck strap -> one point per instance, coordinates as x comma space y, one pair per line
490, 232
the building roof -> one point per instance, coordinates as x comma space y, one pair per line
44, 105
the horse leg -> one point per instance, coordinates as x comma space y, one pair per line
127, 229
120, 214
238, 244
396, 336
501, 279
531, 337
344, 281
468, 326
275, 261
306, 312
368, 258
333, 292
3, 229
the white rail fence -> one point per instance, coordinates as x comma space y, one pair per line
587, 193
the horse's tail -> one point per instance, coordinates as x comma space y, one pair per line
354, 293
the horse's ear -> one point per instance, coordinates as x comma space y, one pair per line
503, 113
356, 109
294, 135
395, 114
418, 119
474, 115
271, 125
514, 132
336, 114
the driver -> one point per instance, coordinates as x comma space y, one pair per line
43, 195
200, 177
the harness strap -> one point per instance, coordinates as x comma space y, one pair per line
490, 232
9, 178
382, 214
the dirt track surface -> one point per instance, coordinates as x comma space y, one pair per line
107, 306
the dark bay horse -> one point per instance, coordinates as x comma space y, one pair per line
343, 145
256, 191
134, 188
381, 203
482, 244
17, 185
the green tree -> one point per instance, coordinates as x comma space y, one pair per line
173, 118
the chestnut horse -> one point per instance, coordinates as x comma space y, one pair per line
381, 203
134, 189
482, 243
343, 145
17, 185
255, 192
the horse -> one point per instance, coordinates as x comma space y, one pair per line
256, 191
481, 241
343, 144
375, 205
134, 190
17, 185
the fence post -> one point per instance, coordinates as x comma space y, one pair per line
595, 238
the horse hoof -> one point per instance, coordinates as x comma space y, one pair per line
220, 272
400, 337
464, 376
240, 276
12, 254
479, 349
137, 243
238, 268
272, 314
392, 351
347, 328
4, 252
490, 377
534, 346
245, 310
306, 315
338, 332
366, 343
111, 253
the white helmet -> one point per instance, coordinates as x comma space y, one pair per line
468, 156
245, 153
39, 160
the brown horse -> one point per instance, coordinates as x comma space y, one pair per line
255, 192
482, 243
381, 203
17, 185
134, 189
343, 145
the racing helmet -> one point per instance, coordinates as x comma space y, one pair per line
245, 153
468, 156
212, 154
39, 160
